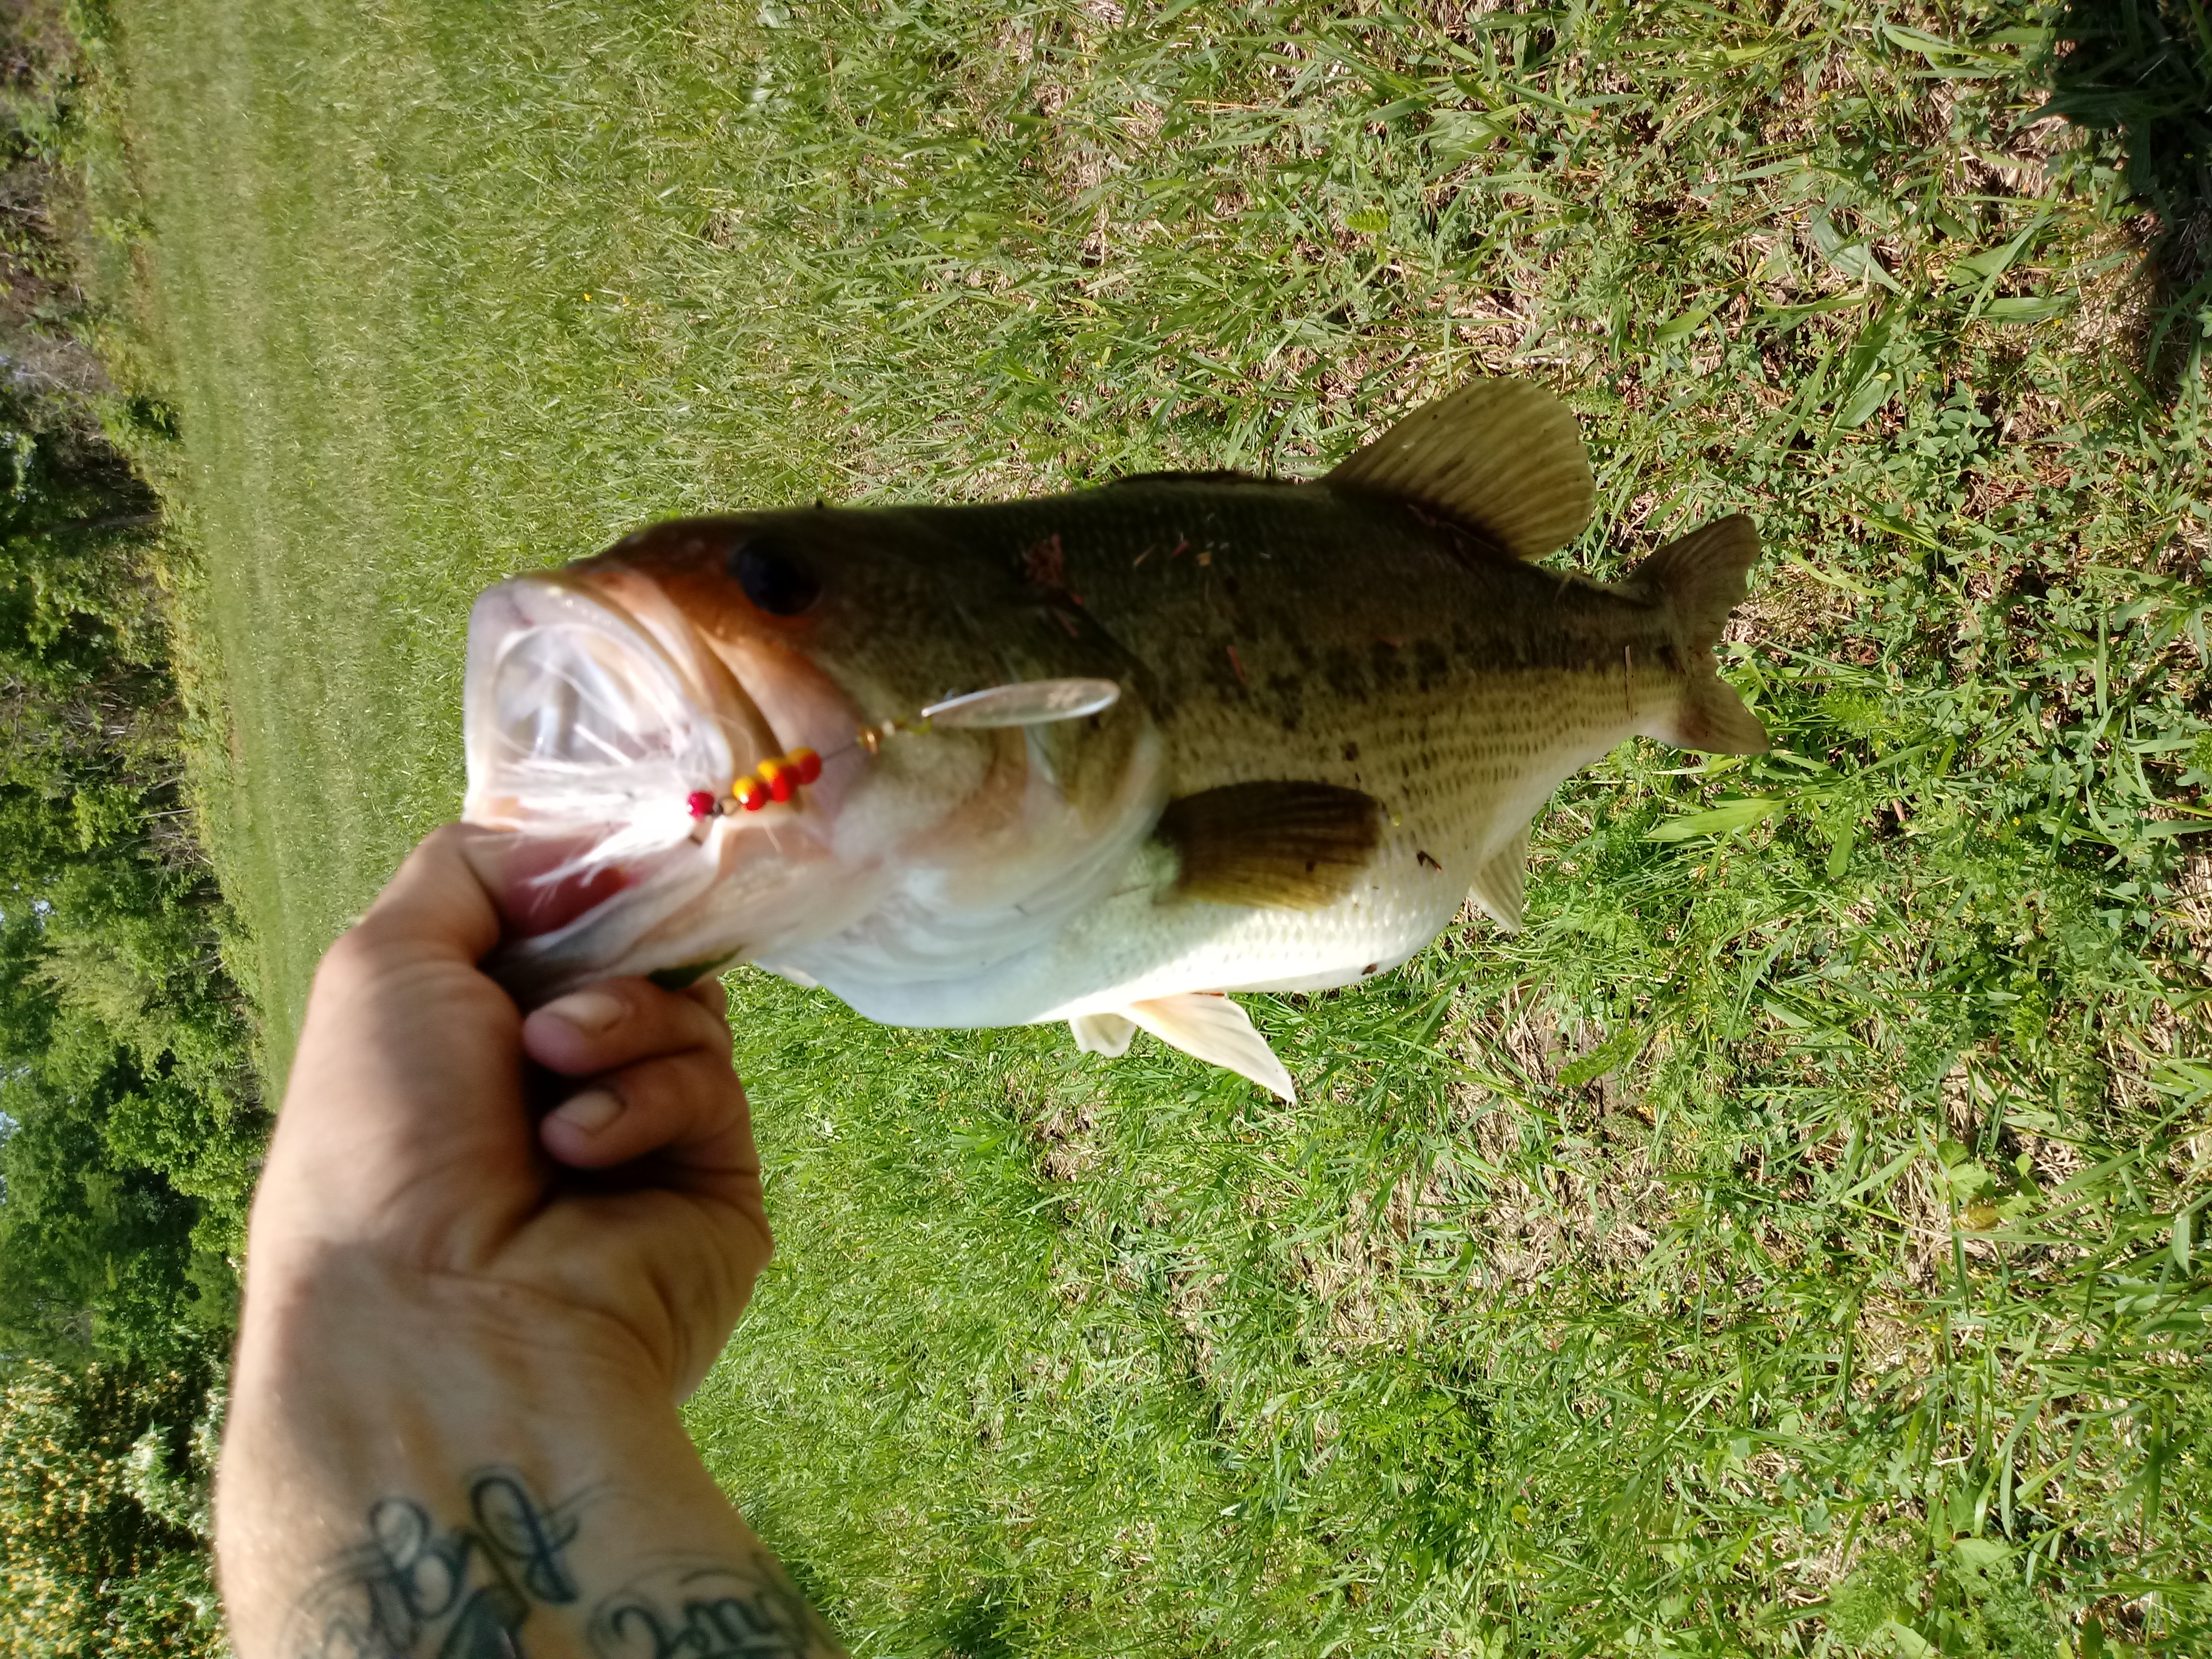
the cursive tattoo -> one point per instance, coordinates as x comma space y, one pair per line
460, 1593
709, 1610
414, 1590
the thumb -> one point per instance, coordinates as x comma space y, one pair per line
437, 905
404, 1109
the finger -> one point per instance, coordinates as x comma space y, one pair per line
399, 1013
619, 1021
436, 904
688, 1107
404, 1114
711, 994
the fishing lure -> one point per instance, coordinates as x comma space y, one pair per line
1025, 702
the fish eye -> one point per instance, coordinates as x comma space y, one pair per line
772, 580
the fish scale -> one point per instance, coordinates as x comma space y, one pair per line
1372, 651
1311, 720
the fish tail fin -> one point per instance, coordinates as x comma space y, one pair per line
1700, 578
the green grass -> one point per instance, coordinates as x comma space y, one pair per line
1792, 1242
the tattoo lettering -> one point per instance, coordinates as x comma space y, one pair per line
527, 1537
413, 1590
710, 1610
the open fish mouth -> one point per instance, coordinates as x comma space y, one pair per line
621, 749
680, 798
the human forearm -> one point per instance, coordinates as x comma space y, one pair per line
451, 1430
426, 1465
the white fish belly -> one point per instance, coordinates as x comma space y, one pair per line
1134, 945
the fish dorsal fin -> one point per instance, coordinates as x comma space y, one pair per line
1280, 844
1499, 884
1211, 1026
1502, 457
1106, 1033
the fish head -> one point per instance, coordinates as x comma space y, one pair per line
621, 713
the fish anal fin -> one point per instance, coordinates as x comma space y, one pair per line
1498, 885
1502, 457
1277, 844
1104, 1033
1211, 1026
1701, 578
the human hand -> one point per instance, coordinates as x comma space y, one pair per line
632, 1210
466, 1324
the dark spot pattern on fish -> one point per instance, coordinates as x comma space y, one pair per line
1377, 643
1345, 676
1430, 666
1389, 671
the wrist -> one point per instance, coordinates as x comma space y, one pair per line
345, 1330
370, 1402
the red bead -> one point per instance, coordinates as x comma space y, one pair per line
782, 781
751, 793
701, 803
808, 764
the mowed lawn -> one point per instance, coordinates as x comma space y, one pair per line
1794, 1241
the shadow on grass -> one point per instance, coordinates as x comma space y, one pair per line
2143, 69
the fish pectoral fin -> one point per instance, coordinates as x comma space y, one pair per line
1499, 884
1211, 1026
1502, 457
1106, 1033
1282, 844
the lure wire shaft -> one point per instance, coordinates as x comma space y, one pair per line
1022, 704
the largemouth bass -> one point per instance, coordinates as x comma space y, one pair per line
1238, 734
